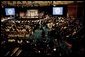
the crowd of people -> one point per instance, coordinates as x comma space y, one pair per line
55, 36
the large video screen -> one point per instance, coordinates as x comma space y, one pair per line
58, 10
32, 13
10, 11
